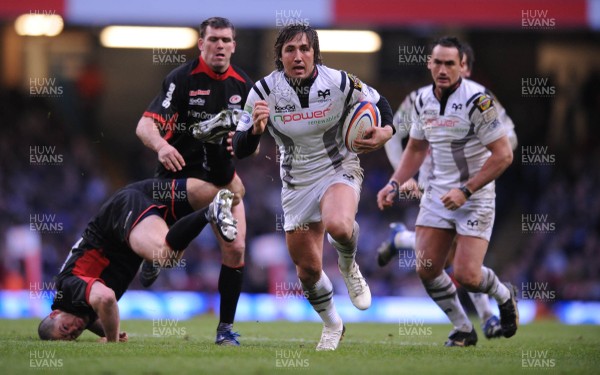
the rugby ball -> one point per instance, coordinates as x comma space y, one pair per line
360, 117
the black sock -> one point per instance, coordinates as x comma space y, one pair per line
230, 287
186, 229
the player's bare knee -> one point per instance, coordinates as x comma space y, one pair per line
309, 275
107, 297
238, 189
426, 273
233, 257
469, 280
238, 195
238, 246
340, 229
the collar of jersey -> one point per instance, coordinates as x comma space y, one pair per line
447, 93
204, 68
304, 82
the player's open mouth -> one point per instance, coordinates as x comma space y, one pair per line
298, 69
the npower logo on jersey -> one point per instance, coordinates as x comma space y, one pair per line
300, 116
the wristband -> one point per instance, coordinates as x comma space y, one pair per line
395, 186
465, 190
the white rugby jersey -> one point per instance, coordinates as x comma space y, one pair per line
405, 117
457, 129
309, 134
503, 117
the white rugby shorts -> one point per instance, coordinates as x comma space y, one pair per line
302, 206
475, 218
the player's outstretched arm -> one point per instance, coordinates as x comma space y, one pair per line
104, 303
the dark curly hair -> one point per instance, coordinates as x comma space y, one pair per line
288, 33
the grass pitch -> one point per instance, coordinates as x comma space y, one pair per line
186, 347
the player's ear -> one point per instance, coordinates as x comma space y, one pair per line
200, 43
234, 44
54, 314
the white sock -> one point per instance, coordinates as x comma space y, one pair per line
347, 251
481, 302
491, 285
320, 297
443, 292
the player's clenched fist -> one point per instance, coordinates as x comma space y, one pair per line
260, 116
453, 199
385, 196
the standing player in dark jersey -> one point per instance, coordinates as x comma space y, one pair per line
132, 225
196, 92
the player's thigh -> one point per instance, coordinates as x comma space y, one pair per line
305, 246
470, 252
147, 237
338, 209
451, 254
432, 246
200, 193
